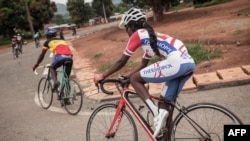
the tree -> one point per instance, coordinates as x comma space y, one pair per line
107, 5
79, 11
157, 8
13, 15
42, 11
156, 5
58, 19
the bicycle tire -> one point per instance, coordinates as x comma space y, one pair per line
20, 48
101, 119
75, 95
45, 94
15, 53
210, 117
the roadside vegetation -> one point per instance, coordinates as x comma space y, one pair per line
211, 3
197, 51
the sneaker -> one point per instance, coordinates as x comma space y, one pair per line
160, 121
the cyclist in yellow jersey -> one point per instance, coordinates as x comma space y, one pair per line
61, 52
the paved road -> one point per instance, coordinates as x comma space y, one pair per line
21, 118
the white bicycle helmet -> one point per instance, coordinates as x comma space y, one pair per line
133, 14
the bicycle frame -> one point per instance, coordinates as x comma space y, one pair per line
64, 80
124, 102
176, 123
69, 92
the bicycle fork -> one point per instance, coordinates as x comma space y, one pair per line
116, 120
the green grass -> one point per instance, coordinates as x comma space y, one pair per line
4, 41
200, 54
211, 3
179, 7
244, 11
132, 63
105, 67
237, 32
96, 56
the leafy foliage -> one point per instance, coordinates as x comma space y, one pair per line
107, 4
79, 11
13, 15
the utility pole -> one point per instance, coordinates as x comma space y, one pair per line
29, 19
104, 12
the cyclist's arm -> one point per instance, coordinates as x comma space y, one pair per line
41, 56
117, 66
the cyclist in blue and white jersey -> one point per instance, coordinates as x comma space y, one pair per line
175, 62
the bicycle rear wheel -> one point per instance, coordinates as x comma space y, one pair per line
210, 117
45, 94
101, 119
75, 97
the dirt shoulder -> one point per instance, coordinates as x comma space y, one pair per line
218, 27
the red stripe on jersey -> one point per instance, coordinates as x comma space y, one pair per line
181, 47
172, 41
163, 37
128, 52
134, 42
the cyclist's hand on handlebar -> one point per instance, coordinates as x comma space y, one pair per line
34, 67
98, 78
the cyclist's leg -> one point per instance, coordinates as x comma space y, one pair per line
56, 63
169, 91
13, 47
68, 66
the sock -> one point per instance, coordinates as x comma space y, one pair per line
152, 107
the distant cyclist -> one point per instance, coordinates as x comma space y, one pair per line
19, 42
61, 52
13, 42
37, 38
175, 62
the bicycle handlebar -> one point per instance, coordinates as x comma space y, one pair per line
124, 82
44, 66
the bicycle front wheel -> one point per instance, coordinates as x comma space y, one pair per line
75, 97
101, 119
210, 118
45, 94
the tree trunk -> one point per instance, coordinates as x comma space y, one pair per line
157, 8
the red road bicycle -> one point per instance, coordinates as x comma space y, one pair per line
198, 122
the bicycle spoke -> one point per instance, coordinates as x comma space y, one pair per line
45, 94
74, 95
100, 121
211, 118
